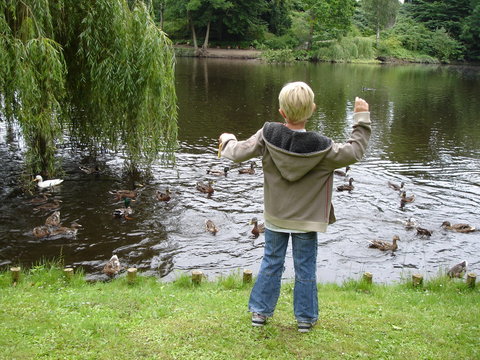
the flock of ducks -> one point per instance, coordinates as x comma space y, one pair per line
53, 227
457, 270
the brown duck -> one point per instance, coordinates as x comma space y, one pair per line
346, 187
112, 267
384, 245
342, 173
163, 196
226, 169
211, 227
423, 232
249, 170
205, 188
53, 219
257, 228
462, 228
122, 194
458, 270
395, 186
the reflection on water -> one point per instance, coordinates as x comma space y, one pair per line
425, 133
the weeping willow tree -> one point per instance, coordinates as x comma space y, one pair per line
99, 71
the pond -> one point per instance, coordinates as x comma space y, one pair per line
426, 133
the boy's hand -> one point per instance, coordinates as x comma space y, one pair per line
360, 105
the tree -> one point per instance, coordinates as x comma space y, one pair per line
328, 19
96, 70
380, 14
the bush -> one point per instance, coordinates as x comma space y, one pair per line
278, 56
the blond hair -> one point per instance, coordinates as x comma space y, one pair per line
296, 101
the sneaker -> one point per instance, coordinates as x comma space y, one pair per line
305, 327
258, 319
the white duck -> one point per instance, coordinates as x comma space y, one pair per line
47, 183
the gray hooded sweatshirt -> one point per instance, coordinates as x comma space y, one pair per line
298, 170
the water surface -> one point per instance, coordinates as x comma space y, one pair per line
426, 133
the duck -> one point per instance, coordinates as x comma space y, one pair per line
384, 245
395, 186
257, 228
47, 183
211, 227
346, 187
342, 173
462, 228
205, 188
90, 169
122, 194
42, 199
407, 199
112, 267
54, 205
41, 231
423, 232
249, 170
226, 169
163, 196
64, 231
410, 223
124, 212
53, 219
458, 270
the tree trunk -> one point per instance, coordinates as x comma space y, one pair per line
194, 35
377, 37
207, 34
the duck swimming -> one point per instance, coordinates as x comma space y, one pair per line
226, 169
211, 227
257, 228
64, 231
346, 187
342, 173
249, 170
124, 212
122, 194
163, 196
47, 183
462, 228
205, 188
423, 232
53, 219
383, 245
395, 186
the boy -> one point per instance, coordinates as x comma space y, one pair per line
298, 170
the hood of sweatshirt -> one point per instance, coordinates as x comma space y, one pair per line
294, 153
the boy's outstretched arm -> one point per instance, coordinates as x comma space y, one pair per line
239, 151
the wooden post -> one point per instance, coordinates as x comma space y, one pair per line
367, 277
471, 278
417, 280
68, 272
15, 274
131, 275
247, 276
197, 277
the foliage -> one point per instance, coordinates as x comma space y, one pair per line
278, 16
380, 13
347, 49
416, 37
471, 31
98, 70
278, 56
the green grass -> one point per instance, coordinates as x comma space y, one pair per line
46, 316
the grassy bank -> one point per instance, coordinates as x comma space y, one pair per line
46, 316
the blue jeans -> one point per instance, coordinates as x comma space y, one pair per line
265, 292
